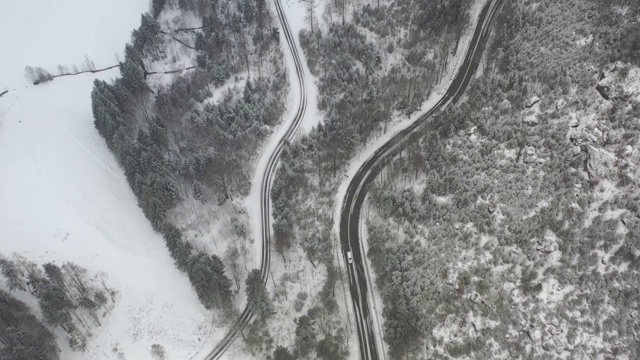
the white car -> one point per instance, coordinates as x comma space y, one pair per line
349, 257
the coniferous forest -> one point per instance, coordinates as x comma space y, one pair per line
182, 151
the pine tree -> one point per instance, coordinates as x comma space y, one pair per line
158, 133
257, 295
106, 112
131, 70
10, 271
55, 304
54, 274
147, 37
305, 336
282, 353
207, 276
180, 250
22, 336
157, 6
329, 348
248, 11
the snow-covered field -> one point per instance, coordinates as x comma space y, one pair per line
62, 195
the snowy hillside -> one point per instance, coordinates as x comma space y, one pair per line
64, 197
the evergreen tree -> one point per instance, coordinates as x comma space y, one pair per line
248, 11
257, 295
212, 285
329, 348
10, 271
282, 353
157, 6
198, 192
158, 133
147, 37
106, 112
133, 78
179, 249
305, 336
187, 5
55, 304
55, 275
22, 336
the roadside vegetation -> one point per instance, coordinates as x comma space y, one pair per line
372, 68
511, 229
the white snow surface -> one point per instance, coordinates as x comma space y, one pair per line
63, 196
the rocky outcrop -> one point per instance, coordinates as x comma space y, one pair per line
531, 120
529, 154
604, 91
619, 82
533, 110
548, 244
534, 100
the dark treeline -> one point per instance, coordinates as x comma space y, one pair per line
173, 144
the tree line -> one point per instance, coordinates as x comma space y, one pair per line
68, 297
178, 148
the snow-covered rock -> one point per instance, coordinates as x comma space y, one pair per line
529, 154
533, 110
548, 244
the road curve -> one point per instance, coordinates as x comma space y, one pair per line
357, 190
265, 188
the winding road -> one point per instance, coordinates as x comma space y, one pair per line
370, 345
265, 188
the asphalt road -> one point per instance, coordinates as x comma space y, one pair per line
265, 189
370, 344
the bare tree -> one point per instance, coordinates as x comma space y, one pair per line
340, 6
310, 7
37, 75
102, 277
231, 258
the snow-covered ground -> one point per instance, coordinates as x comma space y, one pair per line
62, 195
